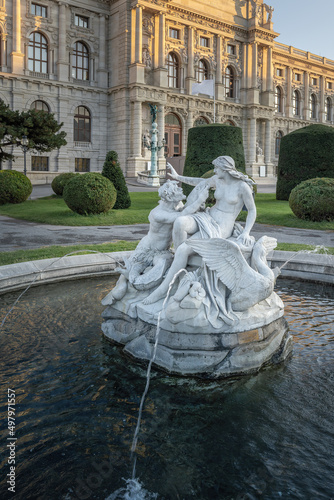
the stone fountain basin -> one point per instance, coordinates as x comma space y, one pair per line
258, 338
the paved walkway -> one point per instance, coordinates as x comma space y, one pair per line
18, 234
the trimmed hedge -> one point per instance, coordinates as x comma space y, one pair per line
306, 153
60, 182
313, 199
90, 193
207, 142
15, 187
112, 171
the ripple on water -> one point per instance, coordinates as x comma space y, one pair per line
267, 436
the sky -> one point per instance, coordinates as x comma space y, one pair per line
305, 24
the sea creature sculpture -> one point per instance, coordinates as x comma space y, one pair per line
248, 284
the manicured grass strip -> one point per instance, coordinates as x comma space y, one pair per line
53, 210
59, 251
296, 247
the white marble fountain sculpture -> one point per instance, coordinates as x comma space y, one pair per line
222, 317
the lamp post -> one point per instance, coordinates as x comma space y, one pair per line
24, 145
152, 145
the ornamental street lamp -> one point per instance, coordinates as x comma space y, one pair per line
151, 143
24, 145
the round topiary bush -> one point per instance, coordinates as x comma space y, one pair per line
313, 199
15, 187
207, 142
304, 154
60, 182
90, 193
112, 171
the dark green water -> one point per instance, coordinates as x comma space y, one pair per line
268, 436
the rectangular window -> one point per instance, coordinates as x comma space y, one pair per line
298, 77
82, 164
39, 163
329, 85
314, 81
174, 33
279, 72
81, 21
38, 10
231, 49
204, 42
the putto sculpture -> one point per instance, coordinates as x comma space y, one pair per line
211, 292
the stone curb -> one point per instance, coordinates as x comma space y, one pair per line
17, 276
308, 267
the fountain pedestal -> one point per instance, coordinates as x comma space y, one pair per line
259, 337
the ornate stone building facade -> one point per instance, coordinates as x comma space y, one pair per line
98, 64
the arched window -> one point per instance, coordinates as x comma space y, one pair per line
173, 68
40, 106
229, 82
173, 135
203, 72
278, 138
80, 62
38, 53
278, 100
201, 120
328, 109
313, 107
296, 103
82, 125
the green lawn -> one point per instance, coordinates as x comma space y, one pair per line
60, 251
53, 210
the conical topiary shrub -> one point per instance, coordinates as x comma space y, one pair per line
306, 153
112, 171
207, 142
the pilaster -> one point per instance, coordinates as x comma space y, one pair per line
17, 57
62, 65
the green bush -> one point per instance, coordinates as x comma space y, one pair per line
207, 142
313, 199
15, 187
304, 154
90, 193
60, 182
112, 171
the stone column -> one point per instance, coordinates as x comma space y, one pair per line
137, 129
270, 69
254, 65
252, 141
162, 40
288, 105
219, 77
17, 57
322, 114
62, 64
155, 59
161, 130
102, 72
3, 51
190, 78
267, 145
139, 35
306, 96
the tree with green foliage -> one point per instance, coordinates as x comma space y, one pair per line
112, 171
306, 153
207, 142
40, 127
